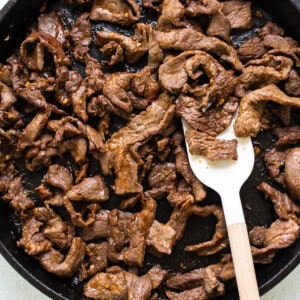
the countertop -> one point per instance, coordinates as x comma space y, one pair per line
14, 287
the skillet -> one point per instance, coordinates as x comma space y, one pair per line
16, 16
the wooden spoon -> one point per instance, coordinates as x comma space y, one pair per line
226, 178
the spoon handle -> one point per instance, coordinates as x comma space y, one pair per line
243, 261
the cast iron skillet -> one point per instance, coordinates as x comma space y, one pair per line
14, 19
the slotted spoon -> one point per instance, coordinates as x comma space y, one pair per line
226, 178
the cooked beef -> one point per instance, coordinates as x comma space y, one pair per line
271, 28
172, 13
114, 52
51, 24
190, 39
162, 178
201, 143
219, 26
287, 135
99, 228
124, 12
97, 261
183, 167
60, 233
154, 4
90, 189
292, 86
291, 171
252, 108
156, 275
54, 262
127, 237
59, 177
7, 97
130, 202
81, 36
251, 49
282, 203
77, 147
202, 7
239, 14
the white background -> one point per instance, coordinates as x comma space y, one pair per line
14, 287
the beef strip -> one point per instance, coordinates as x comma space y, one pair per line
270, 28
183, 167
210, 147
202, 7
90, 189
81, 36
282, 203
219, 26
99, 228
54, 262
148, 123
77, 147
114, 52
60, 233
59, 177
127, 238
291, 171
51, 24
251, 49
97, 261
287, 135
124, 12
252, 108
7, 97
239, 14
292, 86
162, 178
156, 275
190, 39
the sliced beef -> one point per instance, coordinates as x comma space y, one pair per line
195, 8
292, 86
59, 177
153, 4
252, 108
282, 203
210, 147
54, 262
7, 96
156, 275
90, 189
287, 135
114, 52
97, 261
219, 26
251, 49
239, 14
291, 171
190, 39
162, 178
77, 147
124, 12
99, 228
60, 233
271, 28
51, 24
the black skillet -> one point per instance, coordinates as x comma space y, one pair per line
16, 16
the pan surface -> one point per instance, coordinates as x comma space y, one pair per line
14, 20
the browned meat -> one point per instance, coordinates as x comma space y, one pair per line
99, 228
156, 275
97, 262
77, 147
51, 24
219, 26
251, 49
282, 203
292, 86
190, 39
60, 233
81, 36
7, 96
291, 171
154, 4
39, 42
202, 7
54, 262
162, 178
124, 12
252, 107
183, 167
287, 135
114, 52
271, 28
239, 14
90, 189
212, 148
127, 237
59, 177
